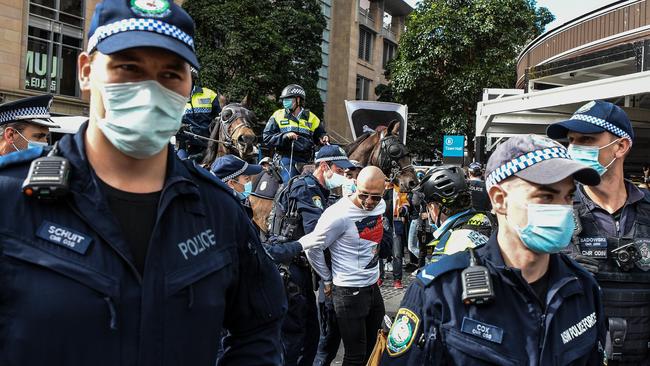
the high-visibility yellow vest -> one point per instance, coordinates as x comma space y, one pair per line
305, 127
201, 101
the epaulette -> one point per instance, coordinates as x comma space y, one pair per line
22, 156
204, 174
446, 264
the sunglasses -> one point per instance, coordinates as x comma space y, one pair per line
366, 196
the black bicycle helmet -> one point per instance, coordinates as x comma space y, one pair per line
443, 184
293, 91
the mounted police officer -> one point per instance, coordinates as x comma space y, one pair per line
293, 131
202, 108
449, 205
298, 208
25, 123
614, 216
137, 257
514, 300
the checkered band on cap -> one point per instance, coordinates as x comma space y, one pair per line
331, 158
235, 174
139, 24
602, 124
24, 113
525, 161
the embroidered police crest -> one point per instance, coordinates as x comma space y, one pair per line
401, 335
643, 246
586, 107
151, 8
317, 202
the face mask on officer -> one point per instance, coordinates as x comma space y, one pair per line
141, 117
588, 155
335, 180
287, 103
243, 189
548, 228
31, 144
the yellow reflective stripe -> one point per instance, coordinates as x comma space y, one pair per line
305, 126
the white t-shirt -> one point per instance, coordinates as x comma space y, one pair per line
353, 236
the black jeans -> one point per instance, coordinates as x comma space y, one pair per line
359, 313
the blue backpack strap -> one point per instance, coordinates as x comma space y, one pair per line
446, 264
21, 157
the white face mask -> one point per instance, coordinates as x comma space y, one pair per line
335, 181
141, 117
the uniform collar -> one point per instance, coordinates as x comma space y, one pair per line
634, 194
449, 222
324, 190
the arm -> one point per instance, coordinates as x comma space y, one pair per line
328, 229
255, 308
272, 136
319, 133
216, 108
283, 253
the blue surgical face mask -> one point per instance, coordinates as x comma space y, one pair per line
549, 228
287, 103
248, 188
31, 144
335, 181
588, 155
141, 117
349, 187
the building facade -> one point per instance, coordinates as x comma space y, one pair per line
360, 38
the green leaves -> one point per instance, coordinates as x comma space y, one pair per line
257, 47
450, 52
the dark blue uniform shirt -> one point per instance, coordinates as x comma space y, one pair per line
70, 293
434, 327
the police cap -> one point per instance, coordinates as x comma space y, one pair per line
35, 110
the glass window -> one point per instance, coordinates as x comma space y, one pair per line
390, 49
365, 44
54, 41
363, 88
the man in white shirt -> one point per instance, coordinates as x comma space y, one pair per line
353, 231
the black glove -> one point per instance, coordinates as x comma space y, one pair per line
590, 264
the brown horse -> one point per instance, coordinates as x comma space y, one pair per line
384, 150
381, 148
232, 133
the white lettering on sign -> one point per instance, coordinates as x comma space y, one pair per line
197, 244
578, 329
63, 236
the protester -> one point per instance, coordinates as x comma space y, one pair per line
353, 231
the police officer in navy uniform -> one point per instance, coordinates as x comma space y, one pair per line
237, 174
146, 258
293, 131
514, 300
297, 211
480, 199
25, 123
202, 108
614, 217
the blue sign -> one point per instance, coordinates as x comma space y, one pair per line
453, 146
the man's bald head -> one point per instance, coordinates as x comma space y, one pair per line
371, 179
370, 188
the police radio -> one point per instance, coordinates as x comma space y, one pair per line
477, 284
48, 177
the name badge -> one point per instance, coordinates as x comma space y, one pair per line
485, 331
67, 238
594, 247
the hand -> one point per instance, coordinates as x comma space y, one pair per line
291, 136
325, 140
588, 263
328, 289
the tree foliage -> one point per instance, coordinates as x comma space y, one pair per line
257, 47
450, 52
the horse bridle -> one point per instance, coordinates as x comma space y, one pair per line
224, 124
391, 150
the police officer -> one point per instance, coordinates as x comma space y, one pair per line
614, 216
514, 300
202, 108
476, 185
293, 131
449, 205
237, 174
25, 123
297, 211
143, 259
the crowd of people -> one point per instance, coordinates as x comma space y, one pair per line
117, 247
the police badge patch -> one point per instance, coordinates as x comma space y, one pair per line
317, 202
643, 246
151, 8
586, 107
401, 335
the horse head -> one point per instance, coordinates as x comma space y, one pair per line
232, 133
384, 149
